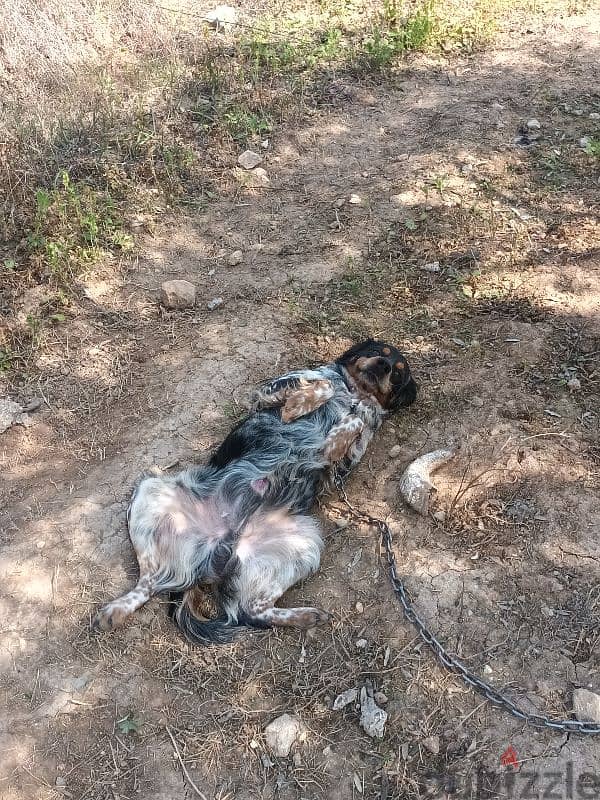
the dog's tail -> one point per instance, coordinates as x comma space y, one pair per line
199, 630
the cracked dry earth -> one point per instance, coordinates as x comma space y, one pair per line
505, 572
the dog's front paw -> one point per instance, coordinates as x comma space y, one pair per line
307, 398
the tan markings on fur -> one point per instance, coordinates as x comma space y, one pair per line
340, 439
366, 390
399, 365
306, 398
386, 351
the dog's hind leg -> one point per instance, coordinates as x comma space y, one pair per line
114, 614
275, 551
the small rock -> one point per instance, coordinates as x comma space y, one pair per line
432, 266
261, 177
249, 159
395, 451
586, 705
574, 384
34, 404
344, 699
235, 258
439, 516
487, 670
12, 413
60, 781
584, 142
432, 743
372, 718
41, 544
339, 202
282, 733
355, 199
359, 608
477, 402
361, 644
221, 15
177, 294
341, 523
380, 698
533, 124
214, 303
594, 115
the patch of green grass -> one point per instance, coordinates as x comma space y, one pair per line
592, 147
73, 225
243, 124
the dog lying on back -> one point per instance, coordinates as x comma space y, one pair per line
239, 526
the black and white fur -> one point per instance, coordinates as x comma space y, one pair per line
239, 525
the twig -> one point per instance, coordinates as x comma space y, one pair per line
183, 767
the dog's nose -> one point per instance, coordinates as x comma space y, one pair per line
384, 365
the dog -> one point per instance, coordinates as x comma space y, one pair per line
239, 526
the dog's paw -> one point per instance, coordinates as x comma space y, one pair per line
307, 398
108, 618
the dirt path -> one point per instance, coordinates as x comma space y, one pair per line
504, 339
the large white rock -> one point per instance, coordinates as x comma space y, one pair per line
282, 733
177, 294
221, 15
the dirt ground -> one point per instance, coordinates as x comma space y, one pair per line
504, 340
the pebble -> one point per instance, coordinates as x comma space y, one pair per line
372, 718
11, 413
361, 644
487, 670
584, 142
477, 402
341, 523
41, 544
574, 384
282, 733
177, 294
432, 743
380, 698
359, 608
594, 115
261, 176
344, 699
355, 199
395, 451
214, 303
533, 124
235, 258
339, 202
439, 516
586, 705
432, 266
249, 159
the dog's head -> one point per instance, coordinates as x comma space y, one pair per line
380, 370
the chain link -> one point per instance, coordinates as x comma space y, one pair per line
447, 659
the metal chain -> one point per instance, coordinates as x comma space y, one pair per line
449, 661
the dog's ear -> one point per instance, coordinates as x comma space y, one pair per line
354, 351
